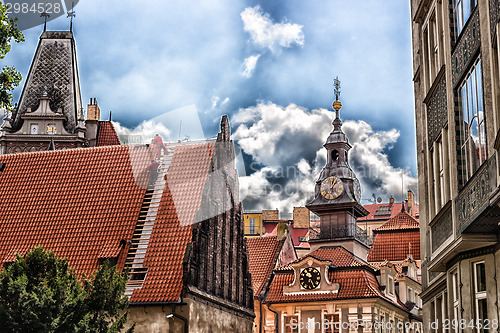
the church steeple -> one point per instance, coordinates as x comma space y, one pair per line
337, 190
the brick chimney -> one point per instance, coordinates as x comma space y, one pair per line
411, 202
93, 112
391, 200
300, 218
270, 215
92, 122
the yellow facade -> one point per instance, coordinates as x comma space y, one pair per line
253, 224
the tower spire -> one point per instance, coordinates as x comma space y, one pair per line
44, 15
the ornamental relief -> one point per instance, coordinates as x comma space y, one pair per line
474, 197
466, 48
441, 230
494, 17
437, 111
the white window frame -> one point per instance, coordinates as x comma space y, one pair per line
390, 285
479, 295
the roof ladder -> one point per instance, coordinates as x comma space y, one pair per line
144, 226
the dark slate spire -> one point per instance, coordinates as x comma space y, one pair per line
51, 146
53, 71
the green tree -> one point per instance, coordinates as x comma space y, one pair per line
40, 293
9, 78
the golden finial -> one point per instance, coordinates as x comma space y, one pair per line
336, 105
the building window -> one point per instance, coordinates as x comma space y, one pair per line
252, 225
456, 299
333, 323
472, 124
480, 295
461, 13
291, 324
390, 285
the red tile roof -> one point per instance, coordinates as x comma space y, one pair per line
357, 283
186, 179
392, 240
79, 203
394, 209
263, 253
106, 134
82, 203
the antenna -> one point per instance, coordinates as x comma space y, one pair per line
402, 187
44, 15
180, 127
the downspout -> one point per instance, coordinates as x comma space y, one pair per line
184, 319
275, 317
496, 282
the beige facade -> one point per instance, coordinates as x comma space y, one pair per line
457, 101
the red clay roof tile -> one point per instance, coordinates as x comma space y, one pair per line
106, 134
262, 256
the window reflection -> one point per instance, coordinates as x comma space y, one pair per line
461, 12
473, 133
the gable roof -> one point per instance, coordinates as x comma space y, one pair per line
263, 254
395, 239
106, 134
385, 211
84, 204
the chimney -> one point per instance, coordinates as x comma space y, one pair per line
391, 200
300, 218
411, 202
270, 215
93, 112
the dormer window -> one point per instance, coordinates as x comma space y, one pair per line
34, 129
390, 286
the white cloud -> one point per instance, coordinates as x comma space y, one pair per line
144, 133
287, 142
249, 65
267, 34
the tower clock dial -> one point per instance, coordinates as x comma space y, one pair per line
310, 278
331, 188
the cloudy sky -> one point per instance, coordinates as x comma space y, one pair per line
175, 67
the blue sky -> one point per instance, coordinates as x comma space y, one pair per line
270, 65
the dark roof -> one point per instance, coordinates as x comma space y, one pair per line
53, 71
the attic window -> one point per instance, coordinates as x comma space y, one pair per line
383, 211
390, 286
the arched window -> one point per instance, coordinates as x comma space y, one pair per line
335, 155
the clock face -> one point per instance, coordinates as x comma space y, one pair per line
357, 189
310, 278
331, 188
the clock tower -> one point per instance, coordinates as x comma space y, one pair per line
337, 194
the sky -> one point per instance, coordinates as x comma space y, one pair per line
175, 67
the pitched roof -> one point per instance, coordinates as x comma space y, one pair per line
395, 239
385, 211
263, 253
401, 221
180, 201
74, 202
81, 204
106, 134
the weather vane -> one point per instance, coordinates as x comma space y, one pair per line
44, 15
336, 90
71, 14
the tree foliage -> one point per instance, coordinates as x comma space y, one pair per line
40, 293
9, 78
